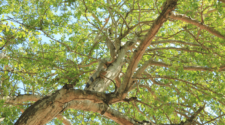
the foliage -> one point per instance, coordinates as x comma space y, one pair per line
48, 43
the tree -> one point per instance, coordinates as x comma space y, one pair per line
127, 62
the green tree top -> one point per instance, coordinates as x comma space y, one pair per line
112, 62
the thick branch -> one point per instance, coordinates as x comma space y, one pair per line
112, 70
20, 98
196, 23
170, 6
44, 110
24, 98
223, 1
95, 107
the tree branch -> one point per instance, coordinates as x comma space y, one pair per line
82, 66
20, 98
175, 48
31, 97
170, 6
190, 120
45, 109
223, 1
213, 119
174, 41
196, 23
65, 121
95, 107
191, 68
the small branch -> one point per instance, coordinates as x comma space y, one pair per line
151, 123
112, 81
2, 47
191, 119
131, 28
65, 121
82, 66
196, 39
149, 89
142, 68
191, 68
178, 49
174, 41
213, 119
66, 45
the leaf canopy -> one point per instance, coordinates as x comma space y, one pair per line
48, 43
